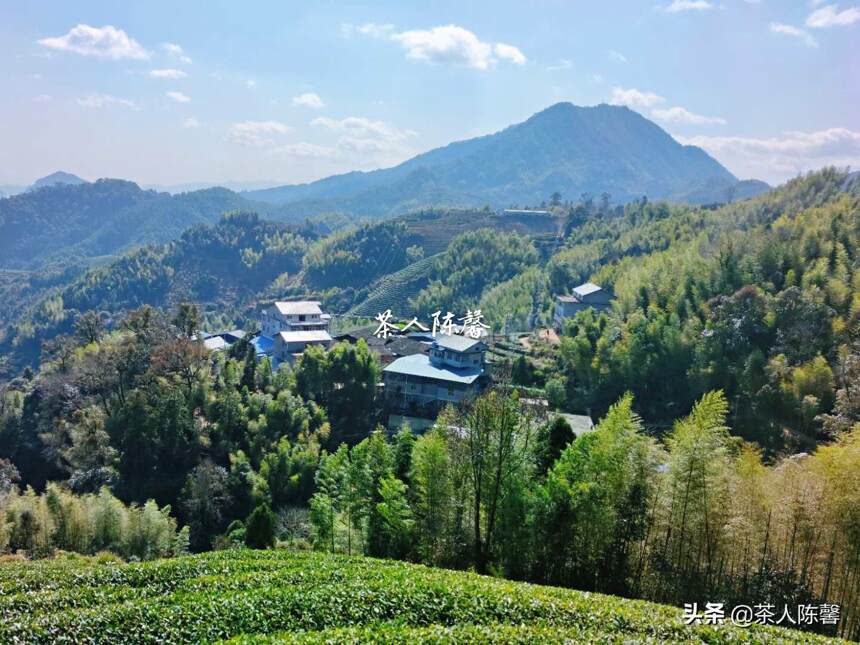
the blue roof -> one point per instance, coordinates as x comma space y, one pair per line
420, 365
263, 344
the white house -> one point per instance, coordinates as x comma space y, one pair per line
301, 315
288, 328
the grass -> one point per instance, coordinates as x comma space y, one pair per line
248, 597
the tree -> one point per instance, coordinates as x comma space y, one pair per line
396, 516
89, 327
404, 444
260, 528
556, 392
187, 319
91, 458
490, 426
552, 439
329, 500
205, 500
431, 477
249, 370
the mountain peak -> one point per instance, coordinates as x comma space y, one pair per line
564, 148
57, 178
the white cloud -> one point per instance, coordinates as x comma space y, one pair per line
307, 150
597, 78
830, 16
776, 159
104, 42
359, 126
42, 98
680, 115
563, 64
618, 57
788, 30
509, 53
103, 101
179, 97
177, 52
453, 44
251, 83
368, 29
635, 98
191, 123
310, 100
167, 73
257, 133
644, 101
362, 146
678, 6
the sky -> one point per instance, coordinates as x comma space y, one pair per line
262, 93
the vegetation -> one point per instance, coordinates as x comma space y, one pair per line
280, 596
88, 220
724, 466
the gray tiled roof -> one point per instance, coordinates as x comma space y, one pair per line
456, 342
301, 307
587, 289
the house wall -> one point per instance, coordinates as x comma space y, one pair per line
456, 359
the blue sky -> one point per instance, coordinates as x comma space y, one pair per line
171, 93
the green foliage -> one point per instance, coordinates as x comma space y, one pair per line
473, 262
343, 380
260, 528
279, 596
357, 257
57, 519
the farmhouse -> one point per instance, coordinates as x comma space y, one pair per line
585, 296
288, 328
418, 386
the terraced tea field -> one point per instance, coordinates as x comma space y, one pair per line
284, 597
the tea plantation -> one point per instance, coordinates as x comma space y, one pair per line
285, 597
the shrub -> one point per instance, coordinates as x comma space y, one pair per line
260, 528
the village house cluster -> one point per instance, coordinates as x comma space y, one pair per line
425, 367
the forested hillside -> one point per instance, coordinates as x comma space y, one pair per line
69, 222
223, 266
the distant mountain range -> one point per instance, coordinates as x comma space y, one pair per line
565, 148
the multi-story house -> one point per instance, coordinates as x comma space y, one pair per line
302, 315
288, 328
418, 386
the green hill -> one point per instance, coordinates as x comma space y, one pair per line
564, 148
281, 596
395, 289
62, 222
